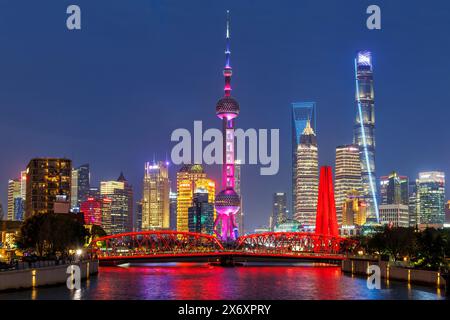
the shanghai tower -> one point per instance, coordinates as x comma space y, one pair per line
227, 201
364, 129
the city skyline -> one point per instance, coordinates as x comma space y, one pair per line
412, 153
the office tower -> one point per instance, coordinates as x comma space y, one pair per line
138, 218
189, 178
326, 220
396, 215
15, 202
354, 210
129, 194
431, 197
46, 178
173, 210
301, 113
23, 187
347, 176
364, 128
307, 178
237, 188
227, 201
107, 215
155, 197
80, 185
394, 189
92, 211
201, 214
279, 209
116, 200
447, 212
413, 204
74, 190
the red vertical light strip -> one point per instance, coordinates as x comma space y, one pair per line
326, 221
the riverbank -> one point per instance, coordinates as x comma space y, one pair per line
360, 266
44, 276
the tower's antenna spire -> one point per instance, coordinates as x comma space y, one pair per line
227, 70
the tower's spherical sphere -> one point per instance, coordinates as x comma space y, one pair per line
227, 201
227, 107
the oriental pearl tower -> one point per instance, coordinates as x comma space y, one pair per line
227, 201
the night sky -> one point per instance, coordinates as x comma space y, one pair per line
111, 94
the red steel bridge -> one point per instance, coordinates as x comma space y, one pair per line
174, 246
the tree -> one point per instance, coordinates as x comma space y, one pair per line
47, 234
432, 245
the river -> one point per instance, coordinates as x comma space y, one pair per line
201, 281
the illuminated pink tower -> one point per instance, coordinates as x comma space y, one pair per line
227, 200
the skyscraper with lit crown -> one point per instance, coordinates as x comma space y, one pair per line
155, 197
364, 128
347, 177
307, 178
227, 201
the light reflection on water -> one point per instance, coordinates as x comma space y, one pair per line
252, 281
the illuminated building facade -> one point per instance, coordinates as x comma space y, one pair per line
173, 210
279, 208
431, 197
354, 210
155, 197
130, 198
92, 211
15, 201
447, 212
201, 214
307, 178
227, 202
46, 178
394, 189
347, 177
364, 128
189, 178
116, 200
301, 113
80, 186
396, 215
413, 204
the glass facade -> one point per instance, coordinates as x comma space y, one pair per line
201, 213
307, 178
431, 197
394, 189
301, 112
279, 209
364, 128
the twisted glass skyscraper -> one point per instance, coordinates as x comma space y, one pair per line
364, 129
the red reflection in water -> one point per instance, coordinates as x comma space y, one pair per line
194, 281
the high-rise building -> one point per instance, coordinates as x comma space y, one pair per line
354, 210
116, 206
130, 197
46, 178
394, 189
92, 211
173, 210
364, 128
80, 186
307, 178
431, 197
155, 197
301, 113
138, 218
201, 214
347, 177
279, 208
189, 178
396, 215
413, 204
227, 202
237, 188
15, 201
